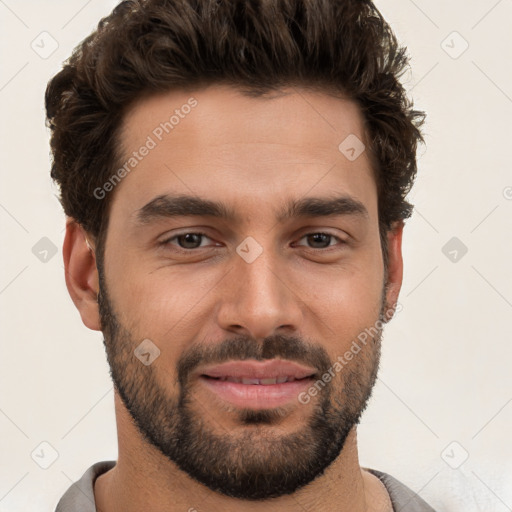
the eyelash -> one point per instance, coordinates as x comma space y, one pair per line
167, 242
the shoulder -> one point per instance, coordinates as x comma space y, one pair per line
80, 495
401, 495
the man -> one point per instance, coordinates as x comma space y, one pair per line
234, 175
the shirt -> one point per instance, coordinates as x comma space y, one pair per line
80, 496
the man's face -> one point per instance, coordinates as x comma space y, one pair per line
252, 287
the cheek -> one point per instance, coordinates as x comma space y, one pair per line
342, 304
352, 286
166, 305
154, 304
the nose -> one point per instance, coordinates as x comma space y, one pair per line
260, 298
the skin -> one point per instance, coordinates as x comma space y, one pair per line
254, 154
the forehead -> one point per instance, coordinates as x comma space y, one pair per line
218, 142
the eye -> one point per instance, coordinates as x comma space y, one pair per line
191, 240
186, 241
322, 239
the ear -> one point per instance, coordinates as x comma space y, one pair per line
395, 268
81, 274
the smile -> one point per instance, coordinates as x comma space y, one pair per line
249, 380
257, 384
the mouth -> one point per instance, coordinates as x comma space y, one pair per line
252, 381
257, 385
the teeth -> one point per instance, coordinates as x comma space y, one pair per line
250, 381
265, 382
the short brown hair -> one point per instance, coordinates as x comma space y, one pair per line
257, 46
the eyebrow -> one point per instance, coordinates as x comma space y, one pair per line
169, 206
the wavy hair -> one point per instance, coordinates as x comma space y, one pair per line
257, 46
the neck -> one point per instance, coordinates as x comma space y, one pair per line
143, 479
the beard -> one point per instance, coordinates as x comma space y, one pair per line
253, 461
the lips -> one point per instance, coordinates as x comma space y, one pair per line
248, 380
275, 371
256, 384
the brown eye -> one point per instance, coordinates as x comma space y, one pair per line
321, 240
186, 241
189, 240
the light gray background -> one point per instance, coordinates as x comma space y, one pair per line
446, 367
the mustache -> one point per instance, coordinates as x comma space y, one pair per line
242, 347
